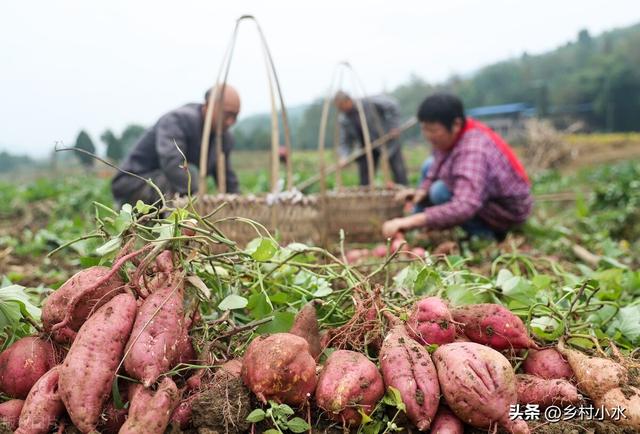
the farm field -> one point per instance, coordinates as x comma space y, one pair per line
570, 275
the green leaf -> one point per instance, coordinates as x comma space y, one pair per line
272, 431
503, 276
541, 281
283, 410
393, 398
109, 247
256, 415
259, 306
547, 328
233, 301
297, 247
627, 322
262, 249
15, 296
372, 428
365, 417
143, 208
115, 392
281, 323
458, 294
200, 286
298, 425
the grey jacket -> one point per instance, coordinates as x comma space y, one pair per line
156, 150
382, 112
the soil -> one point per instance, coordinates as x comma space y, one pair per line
223, 406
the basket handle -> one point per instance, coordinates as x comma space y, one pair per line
217, 97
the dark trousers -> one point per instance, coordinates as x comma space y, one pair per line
396, 162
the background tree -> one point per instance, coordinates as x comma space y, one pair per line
85, 143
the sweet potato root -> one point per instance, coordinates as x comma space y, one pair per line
536, 390
43, 405
548, 364
23, 363
627, 398
149, 412
154, 345
306, 326
595, 375
89, 369
430, 322
348, 382
493, 325
68, 308
446, 422
478, 384
407, 366
10, 412
280, 367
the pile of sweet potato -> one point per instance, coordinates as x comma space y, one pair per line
98, 326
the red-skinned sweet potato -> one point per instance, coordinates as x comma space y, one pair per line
430, 322
279, 367
43, 405
23, 363
306, 326
88, 371
182, 414
478, 384
446, 422
67, 309
493, 325
233, 366
153, 346
542, 392
10, 412
595, 375
407, 366
348, 382
149, 412
548, 364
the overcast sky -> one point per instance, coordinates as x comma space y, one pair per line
73, 64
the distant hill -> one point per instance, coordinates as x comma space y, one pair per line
595, 79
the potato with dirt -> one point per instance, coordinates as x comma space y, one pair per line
479, 385
430, 322
23, 363
445, 422
625, 397
493, 325
407, 366
548, 364
88, 371
348, 382
43, 405
149, 412
544, 393
280, 367
158, 334
10, 412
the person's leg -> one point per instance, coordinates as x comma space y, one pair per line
424, 170
363, 172
398, 167
439, 193
477, 227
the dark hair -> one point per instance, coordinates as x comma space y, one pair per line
443, 108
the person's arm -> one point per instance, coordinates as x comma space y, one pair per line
233, 186
390, 110
345, 141
470, 173
170, 135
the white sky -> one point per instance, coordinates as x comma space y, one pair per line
72, 64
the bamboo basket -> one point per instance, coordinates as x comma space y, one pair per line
358, 211
289, 215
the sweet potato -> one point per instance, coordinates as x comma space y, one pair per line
493, 325
548, 364
379, 251
10, 413
23, 363
627, 398
430, 322
233, 366
279, 367
67, 308
348, 382
595, 375
536, 390
149, 412
88, 371
153, 347
446, 422
306, 326
43, 405
181, 416
478, 384
407, 366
